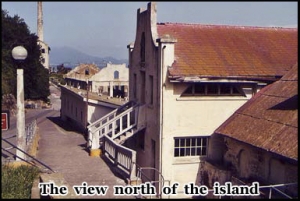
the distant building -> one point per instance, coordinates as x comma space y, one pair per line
81, 75
111, 80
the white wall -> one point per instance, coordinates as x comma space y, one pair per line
105, 77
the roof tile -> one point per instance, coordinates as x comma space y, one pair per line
269, 120
236, 50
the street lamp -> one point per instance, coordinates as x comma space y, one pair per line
87, 102
19, 54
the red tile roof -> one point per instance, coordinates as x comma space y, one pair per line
237, 51
269, 120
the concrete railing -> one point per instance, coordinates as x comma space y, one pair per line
123, 158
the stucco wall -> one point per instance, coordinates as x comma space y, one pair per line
249, 161
72, 102
192, 117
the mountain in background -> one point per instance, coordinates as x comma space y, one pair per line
71, 57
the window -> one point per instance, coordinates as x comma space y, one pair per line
87, 71
213, 89
134, 85
116, 74
151, 89
190, 146
143, 49
141, 139
142, 88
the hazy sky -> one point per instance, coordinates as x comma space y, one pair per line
106, 28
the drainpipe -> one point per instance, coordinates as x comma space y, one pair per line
161, 114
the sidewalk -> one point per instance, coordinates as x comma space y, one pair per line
63, 149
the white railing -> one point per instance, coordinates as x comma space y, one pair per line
127, 119
123, 158
120, 124
108, 117
113, 127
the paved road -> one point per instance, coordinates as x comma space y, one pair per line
40, 115
63, 149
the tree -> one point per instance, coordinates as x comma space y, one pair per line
36, 78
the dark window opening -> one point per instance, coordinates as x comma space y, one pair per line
190, 146
213, 89
116, 74
143, 48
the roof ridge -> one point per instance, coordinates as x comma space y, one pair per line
226, 25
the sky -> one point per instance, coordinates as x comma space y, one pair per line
103, 29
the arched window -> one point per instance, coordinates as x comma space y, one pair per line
116, 74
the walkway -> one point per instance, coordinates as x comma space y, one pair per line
63, 149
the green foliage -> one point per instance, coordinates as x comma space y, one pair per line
36, 78
17, 182
57, 78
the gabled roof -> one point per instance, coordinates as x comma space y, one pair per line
231, 51
79, 72
269, 120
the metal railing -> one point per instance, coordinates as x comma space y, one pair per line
141, 174
271, 191
30, 131
33, 162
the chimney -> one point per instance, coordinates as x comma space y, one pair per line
40, 32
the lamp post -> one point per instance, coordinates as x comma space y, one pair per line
87, 102
19, 53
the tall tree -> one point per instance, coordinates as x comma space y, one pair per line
15, 32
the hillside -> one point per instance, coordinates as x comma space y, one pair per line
71, 57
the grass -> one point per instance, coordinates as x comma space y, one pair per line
16, 182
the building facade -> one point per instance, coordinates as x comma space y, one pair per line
191, 78
111, 80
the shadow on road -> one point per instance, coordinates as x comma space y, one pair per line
67, 126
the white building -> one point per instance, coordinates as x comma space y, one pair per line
113, 76
190, 78
81, 104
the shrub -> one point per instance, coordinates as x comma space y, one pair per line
17, 181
